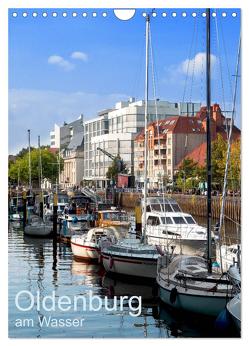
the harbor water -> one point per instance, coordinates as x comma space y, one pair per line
39, 265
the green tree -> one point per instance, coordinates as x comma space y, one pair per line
234, 178
50, 167
114, 169
188, 174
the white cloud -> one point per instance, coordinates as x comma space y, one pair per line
197, 64
39, 110
61, 62
80, 56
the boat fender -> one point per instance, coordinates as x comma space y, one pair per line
173, 295
74, 219
223, 322
159, 250
110, 262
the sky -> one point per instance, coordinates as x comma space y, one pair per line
61, 67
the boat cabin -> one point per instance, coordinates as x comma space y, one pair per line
112, 217
172, 220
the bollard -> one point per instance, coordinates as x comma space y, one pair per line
24, 201
55, 210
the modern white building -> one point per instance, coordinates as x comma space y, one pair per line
114, 130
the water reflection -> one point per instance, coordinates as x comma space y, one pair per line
42, 265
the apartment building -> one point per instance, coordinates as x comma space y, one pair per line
173, 139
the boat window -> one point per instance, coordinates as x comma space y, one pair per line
166, 208
153, 221
179, 220
190, 220
175, 207
166, 220
148, 208
106, 216
156, 207
119, 217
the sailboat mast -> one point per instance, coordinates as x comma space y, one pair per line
209, 166
40, 159
30, 184
146, 125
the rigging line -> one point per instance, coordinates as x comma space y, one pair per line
229, 145
158, 127
193, 67
220, 61
226, 59
189, 58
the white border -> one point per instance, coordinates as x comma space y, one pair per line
4, 5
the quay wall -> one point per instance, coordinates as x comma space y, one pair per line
193, 204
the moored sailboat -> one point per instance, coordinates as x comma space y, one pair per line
190, 282
131, 256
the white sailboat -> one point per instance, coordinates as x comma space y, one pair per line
131, 256
38, 226
189, 282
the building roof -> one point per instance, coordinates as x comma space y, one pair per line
175, 124
76, 141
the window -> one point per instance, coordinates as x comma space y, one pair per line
153, 221
167, 207
169, 140
190, 220
175, 207
179, 220
166, 220
156, 207
148, 208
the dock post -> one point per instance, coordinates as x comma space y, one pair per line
41, 206
55, 210
24, 202
138, 218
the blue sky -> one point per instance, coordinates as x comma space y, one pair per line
64, 66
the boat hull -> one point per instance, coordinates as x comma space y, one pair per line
234, 310
85, 252
191, 247
130, 266
38, 231
206, 303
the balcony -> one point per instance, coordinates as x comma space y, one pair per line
161, 146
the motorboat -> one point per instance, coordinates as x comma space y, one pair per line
173, 230
112, 217
88, 245
228, 255
73, 223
